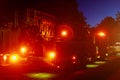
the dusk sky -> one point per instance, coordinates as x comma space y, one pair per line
96, 10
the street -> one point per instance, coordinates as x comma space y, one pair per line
107, 71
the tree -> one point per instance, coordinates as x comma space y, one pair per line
107, 24
118, 19
116, 33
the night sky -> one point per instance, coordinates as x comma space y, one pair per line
96, 10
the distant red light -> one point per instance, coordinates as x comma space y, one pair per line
74, 62
58, 66
73, 57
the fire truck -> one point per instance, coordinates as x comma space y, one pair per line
32, 35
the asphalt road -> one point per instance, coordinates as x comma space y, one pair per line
107, 71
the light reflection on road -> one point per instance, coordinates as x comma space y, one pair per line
40, 76
95, 64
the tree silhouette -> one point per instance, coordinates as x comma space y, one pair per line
107, 24
118, 18
116, 33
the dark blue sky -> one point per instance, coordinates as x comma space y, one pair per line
96, 10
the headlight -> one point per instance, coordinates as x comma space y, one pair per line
14, 58
5, 57
51, 55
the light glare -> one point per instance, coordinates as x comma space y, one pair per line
14, 58
23, 49
64, 33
